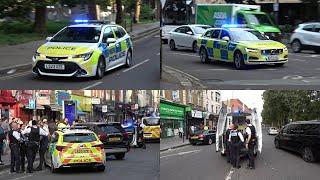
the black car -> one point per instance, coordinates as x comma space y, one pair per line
114, 138
202, 137
302, 137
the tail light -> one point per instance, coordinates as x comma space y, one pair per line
59, 148
201, 136
125, 135
99, 145
102, 136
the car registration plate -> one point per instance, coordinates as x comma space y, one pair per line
272, 57
82, 151
114, 139
54, 66
194, 137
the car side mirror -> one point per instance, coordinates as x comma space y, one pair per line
226, 38
189, 33
48, 39
111, 41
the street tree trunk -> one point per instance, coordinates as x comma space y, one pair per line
137, 11
92, 7
40, 18
119, 15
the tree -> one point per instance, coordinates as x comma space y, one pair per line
137, 11
40, 18
119, 15
92, 7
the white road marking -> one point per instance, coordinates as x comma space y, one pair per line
15, 75
22, 177
136, 65
293, 59
15, 66
181, 153
229, 176
93, 85
293, 77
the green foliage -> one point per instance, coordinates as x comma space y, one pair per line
13, 27
53, 27
146, 12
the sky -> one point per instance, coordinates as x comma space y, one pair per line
252, 98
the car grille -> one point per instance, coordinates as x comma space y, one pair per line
56, 58
271, 51
70, 67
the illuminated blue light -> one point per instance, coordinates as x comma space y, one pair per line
81, 21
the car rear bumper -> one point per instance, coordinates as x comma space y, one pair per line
93, 164
116, 150
257, 62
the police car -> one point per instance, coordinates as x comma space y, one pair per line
241, 46
75, 148
84, 49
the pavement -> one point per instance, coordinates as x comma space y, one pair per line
172, 143
183, 69
192, 162
138, 164
15, 71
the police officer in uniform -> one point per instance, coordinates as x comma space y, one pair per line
235, 139
228, 142
250, 142
43, 145
34, 133
15, 139
23, 148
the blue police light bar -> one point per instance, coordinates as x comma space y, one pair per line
234, 26
81, 21
86, 21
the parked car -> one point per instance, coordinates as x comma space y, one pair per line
273, 131
302, 137
186, 36
202, 137
306, 37
114, 138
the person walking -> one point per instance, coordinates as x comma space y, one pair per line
14, 144
235, 138
141, 137
228, 144
251, 143
44, 141
34, 133
23, 148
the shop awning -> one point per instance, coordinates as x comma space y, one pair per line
7, 100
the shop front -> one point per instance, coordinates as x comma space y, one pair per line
172, 118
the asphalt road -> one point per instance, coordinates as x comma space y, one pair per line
138, 164
302, 71
144, 74
202, 162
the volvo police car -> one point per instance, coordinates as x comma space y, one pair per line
75, 148
241, 46
84, 49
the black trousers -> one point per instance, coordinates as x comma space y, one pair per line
235, 154
32, 149
42, 151
23, 155
251, 154
15, 157
228, 152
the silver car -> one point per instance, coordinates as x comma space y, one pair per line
306, 37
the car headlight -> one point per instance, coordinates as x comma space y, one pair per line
285, 49
85, 56
36, 54
251, 50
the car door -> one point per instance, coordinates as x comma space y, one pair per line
108, 50
177, 35
317, 35
120, 45
215, 43
308, 34
283, 138
297, 134
187, 37
224, 44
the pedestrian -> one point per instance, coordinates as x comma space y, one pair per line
52, 126
33, 133
43, 144
23, 148
236, 139
228, 144
14, 144
5, 125
2, 138
251, 143
141, 137
180, 132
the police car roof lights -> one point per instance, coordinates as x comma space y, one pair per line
86, 21
234, 26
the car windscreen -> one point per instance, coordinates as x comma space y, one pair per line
247, 35
79, 138
151, 121
78, 34
200, 29
198, 132
109, 129
259, 19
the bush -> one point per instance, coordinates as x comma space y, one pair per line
53, 27
146, 12
16, 27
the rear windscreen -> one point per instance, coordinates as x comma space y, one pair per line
111, 129
79, 138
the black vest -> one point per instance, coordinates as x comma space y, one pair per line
34, 134
235, 139
12, 139
253, 133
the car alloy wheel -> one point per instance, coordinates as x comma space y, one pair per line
307, 155
194, 47
100, 69
203, 55
210, 141
276, 144
172, 45
238, 61
129, 59
296, 46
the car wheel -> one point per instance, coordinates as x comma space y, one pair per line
101, 68
307, 155
194, 47
129, 59
120, 156
210, 141
238, 61
279, 64
277, 144
172, 45
101, 168
296, 46
204, 55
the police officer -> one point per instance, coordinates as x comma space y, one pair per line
228, 144
23, 148
14, 143
250, 142
235, 139
43, 144
140, 133
34, 133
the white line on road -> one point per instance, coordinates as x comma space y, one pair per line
15, 75
136, 65
22, 177
93, 85
181, 153
229, 176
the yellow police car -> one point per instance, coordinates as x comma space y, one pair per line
75, 148
241, 46
84, 49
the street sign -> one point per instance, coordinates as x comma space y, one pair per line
275, 6
104, 108
69, 109
95, 101
32, 104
